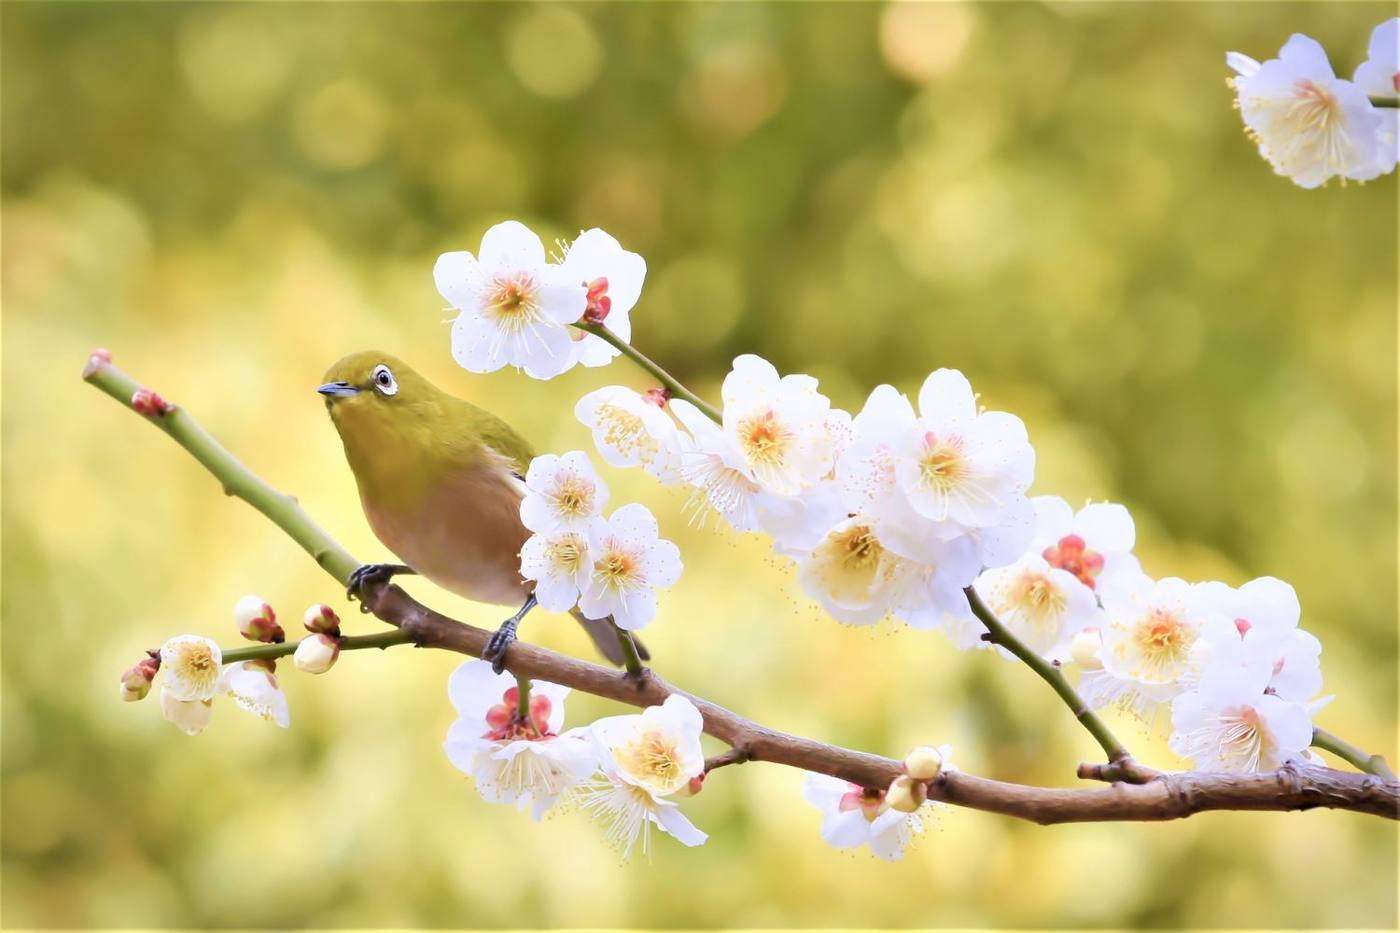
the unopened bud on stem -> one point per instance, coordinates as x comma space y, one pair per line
257, 622
149, 403
316, 653
136, 682
321, 619
924, 763
906, 794
1086, 648
96, 360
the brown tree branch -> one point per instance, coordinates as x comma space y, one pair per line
1162, 797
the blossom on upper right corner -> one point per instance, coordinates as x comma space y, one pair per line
1310, 125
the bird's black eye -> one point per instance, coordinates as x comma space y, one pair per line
384, 380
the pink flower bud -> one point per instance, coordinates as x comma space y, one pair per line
657, 396
321, 619
906, 794
316, 653
136, 682
149, 403
694, 786
95, 361
599, 304
257, 622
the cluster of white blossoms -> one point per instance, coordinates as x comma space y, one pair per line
623, 769
515, 306
1313, 126
604, 566
894, 512
890, 513
195, 673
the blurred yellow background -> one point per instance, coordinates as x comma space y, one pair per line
1057, 199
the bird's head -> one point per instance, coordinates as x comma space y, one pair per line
372, 391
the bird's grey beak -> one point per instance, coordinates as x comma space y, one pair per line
340, 389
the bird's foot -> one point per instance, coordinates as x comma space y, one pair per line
371, 575
499, 643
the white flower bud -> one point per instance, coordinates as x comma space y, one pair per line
316, 653
1086, 648
924, 763
257, 621
321, 618
906, 794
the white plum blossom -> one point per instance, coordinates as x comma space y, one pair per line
1148, 640
710, 461
514, 756
1094, 544
1049, 595
1264, 640
797, 523
630, 561
945, 472
1042, 605
612, 279
852, 573
647, 758
561, 564
777, 425
191, 716
563, 493
1310, 125
514, 306
192, 665
254, 688
1231, 724
630, 429
1379, 76
855, 816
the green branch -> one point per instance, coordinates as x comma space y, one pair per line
1001, 635
1385, 101
1372, 764
387, 639
237, 479
672, 384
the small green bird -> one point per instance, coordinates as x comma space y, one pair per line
441, 482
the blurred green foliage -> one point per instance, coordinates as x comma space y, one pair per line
1056, 198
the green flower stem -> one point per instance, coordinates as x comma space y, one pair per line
632, 661
347, 643
1385, 101
1001, 635
522, 699
1371, 764
237, 479
672, 384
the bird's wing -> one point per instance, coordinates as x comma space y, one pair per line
495, 435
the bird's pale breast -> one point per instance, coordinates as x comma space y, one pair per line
465, 535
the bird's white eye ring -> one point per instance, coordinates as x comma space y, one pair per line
384, 380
